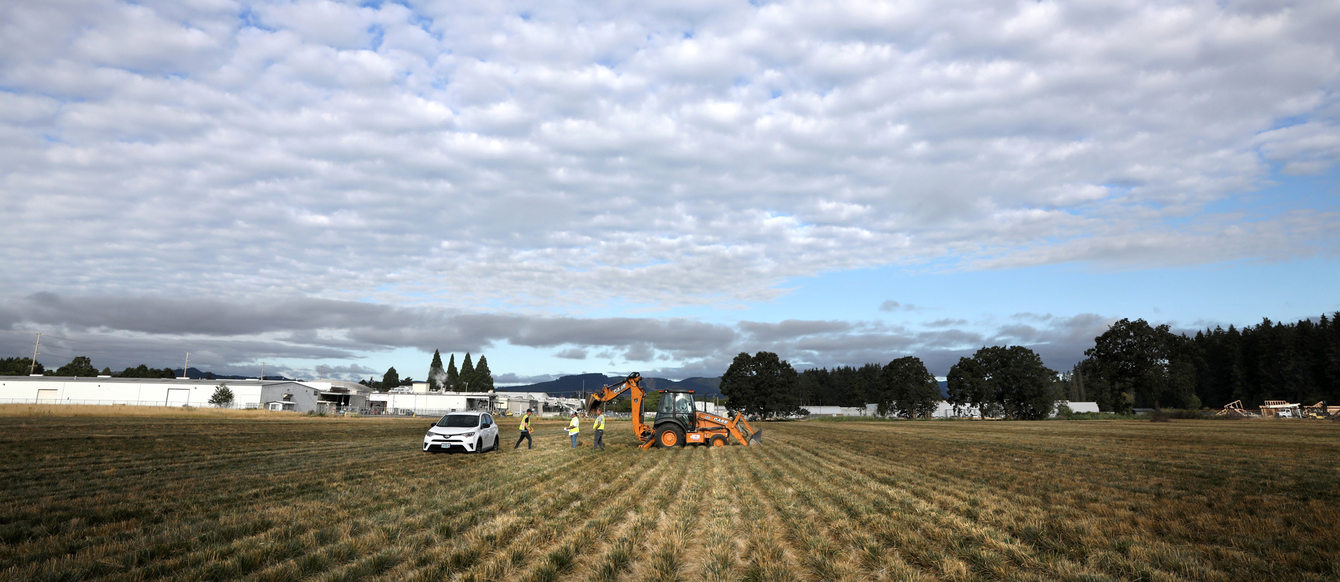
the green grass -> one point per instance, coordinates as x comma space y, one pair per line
205, 495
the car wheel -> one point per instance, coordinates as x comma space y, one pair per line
495, 442
479, 445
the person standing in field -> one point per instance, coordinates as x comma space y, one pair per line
599, 425
525, 432
574, 427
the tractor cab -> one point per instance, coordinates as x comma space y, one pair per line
677, 407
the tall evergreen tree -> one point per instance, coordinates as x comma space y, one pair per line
453, 381
436, 375
468, 375
483, 376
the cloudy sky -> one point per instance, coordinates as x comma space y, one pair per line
335, 188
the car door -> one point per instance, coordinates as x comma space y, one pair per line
490, 429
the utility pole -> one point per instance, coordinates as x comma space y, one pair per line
184, 364
262, 371
33, 364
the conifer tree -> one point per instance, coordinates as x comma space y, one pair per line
467, 375
453, 383
390, 379
435, 372
483, 377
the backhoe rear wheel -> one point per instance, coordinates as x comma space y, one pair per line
669, 436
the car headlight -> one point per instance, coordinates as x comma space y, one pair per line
467, 434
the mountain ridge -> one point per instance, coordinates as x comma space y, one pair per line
577, 384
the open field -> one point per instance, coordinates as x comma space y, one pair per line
206, 495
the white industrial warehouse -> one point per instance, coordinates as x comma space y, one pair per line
330, 396
321, 396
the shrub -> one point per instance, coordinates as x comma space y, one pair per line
223, 397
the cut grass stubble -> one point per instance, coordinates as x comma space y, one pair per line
270, 497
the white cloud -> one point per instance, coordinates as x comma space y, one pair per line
563, 158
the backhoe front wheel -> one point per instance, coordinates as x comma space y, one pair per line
718, 441
669, 436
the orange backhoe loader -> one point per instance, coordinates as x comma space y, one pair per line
677, 421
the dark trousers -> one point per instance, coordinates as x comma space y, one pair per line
525, 434
600, 440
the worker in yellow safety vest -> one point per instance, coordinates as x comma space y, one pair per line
573, 429
525, 432
599, 426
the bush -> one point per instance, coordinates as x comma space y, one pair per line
223, 397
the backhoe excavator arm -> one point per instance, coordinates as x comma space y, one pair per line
633, 386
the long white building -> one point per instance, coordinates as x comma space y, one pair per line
319, 396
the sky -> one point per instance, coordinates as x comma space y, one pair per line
330, 189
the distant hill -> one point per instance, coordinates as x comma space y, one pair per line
576, 385
195, 374
586, 383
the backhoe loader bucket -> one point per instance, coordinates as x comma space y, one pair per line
756, 438
592, 403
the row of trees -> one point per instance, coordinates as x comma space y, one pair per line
81, 366
1131, 365
391, 379
470, 378
1136, 365
1009, 381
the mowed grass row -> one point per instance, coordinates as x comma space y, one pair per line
270, 497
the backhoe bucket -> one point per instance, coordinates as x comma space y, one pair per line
756, 438
592, 403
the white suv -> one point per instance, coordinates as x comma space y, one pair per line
470, 431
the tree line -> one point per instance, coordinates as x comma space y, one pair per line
997, 381
1136, 365
82, 366
1131, 365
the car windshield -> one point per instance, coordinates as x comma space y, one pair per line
459, 421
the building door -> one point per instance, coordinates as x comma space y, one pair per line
178, 396
51, 395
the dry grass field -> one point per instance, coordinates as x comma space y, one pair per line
210, 495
